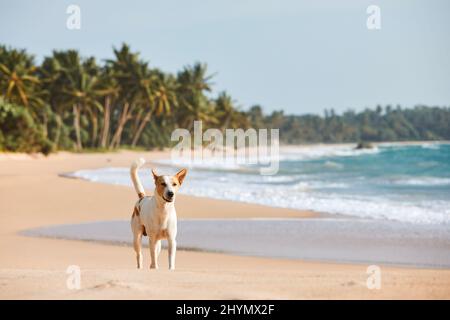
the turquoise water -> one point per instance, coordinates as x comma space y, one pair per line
408, 183
400, 173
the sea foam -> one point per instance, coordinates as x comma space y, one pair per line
381, 183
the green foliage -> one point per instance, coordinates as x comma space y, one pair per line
419, 123
71, 102
18, 132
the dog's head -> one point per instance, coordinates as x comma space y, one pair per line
167, 186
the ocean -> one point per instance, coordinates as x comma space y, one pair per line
400, 182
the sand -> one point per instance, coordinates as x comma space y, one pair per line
32, 194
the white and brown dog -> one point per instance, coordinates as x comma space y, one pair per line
155, 216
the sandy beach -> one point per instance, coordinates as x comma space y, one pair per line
34, 194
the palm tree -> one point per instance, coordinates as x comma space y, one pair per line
134, 79
94, 90
19, 82
49, 74
98, 103
194, 105
18, 79
164, 99
73, 83
225, 109
110, 89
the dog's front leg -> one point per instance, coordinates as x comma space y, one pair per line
158, 248
172, 246
153, 252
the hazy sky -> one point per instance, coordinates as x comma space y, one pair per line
301, 56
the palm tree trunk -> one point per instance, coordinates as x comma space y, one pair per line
115, 142
190, 123
45, 125
141, 128
226, 122
94, 129
137, 121
58, 129
76, 124
94, 126
106, 122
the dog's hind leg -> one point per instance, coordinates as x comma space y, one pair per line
137, 238
138, 230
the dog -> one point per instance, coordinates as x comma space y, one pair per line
155, 215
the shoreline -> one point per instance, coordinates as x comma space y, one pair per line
306, 239
33, 195
327, 192
7, 155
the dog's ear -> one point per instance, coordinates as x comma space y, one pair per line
155, 176
181, 175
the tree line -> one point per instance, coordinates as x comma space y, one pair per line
70, 102
370, 125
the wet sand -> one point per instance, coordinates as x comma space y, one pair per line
319, 239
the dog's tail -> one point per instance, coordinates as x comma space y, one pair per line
135, 178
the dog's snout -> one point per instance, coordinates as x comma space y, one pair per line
170, 194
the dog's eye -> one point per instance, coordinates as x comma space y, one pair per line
174, 184
163, 184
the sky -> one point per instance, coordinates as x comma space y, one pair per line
299, 56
